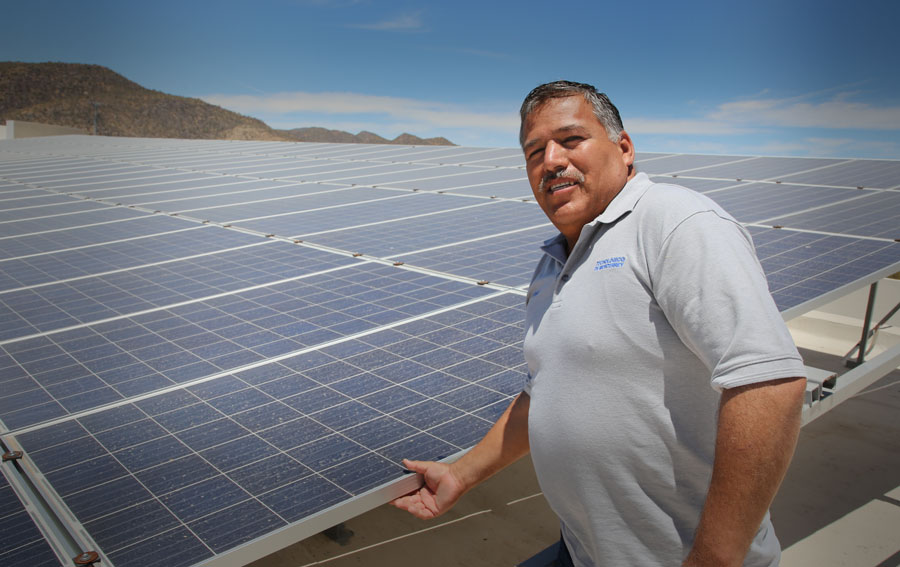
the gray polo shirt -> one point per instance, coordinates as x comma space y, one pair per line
629, 340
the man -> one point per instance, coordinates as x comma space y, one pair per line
664, 392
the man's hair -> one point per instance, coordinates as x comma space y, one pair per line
605, 111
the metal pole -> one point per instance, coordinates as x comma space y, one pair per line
861, 355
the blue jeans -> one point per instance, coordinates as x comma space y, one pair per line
563, 559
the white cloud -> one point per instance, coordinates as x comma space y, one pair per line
838, 113
328, 3
700, 127
405, 22
410, 111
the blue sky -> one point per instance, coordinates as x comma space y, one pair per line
799, 78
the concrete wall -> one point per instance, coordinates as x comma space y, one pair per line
20, 129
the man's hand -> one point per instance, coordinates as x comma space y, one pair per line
440, 492
444, 484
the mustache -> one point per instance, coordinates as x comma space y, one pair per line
567, 173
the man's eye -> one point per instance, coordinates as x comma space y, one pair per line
572, 140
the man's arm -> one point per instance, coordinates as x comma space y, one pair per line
757, 433
505, 443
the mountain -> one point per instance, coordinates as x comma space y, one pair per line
315, 134
80, 96
69, 94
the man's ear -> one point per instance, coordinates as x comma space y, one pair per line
626, 146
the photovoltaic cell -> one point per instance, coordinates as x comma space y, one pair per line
757, 201
37, 199
301, 224
507, 259
682, 163
21, 542
71, 172
48, 308
13, 193
205, 468
178, 201
461, 179
874, 174
91, 235
699, 185
72, 371
121, 193
35, 267
391, 178
61, 222
518, 189
801, 266
40, 212
412, 234
874, 214
87, 186
335, 172
313, 202
760, 168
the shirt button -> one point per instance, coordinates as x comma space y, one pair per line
565, 277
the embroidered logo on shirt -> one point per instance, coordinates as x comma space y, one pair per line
614, 262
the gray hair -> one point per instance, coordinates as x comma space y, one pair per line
605, 111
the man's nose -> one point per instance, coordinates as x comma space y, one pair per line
555, 157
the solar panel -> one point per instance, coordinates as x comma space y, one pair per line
873, 174
124, 291
39, 199
161, 186
313, 198
872, 214
21, 542
755, 202
759, 168
803, 266
14, 192
681, 164
220, 194
406, 235
186, 391
699, 185
39, 259
214, 465
64, 221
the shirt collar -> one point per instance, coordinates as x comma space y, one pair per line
625, 200
623, 203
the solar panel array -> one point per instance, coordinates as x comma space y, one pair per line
205, 343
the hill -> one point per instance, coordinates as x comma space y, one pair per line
77, 95
68, 94
315, 134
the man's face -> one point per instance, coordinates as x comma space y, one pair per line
573, 167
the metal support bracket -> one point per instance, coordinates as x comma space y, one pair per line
859, 350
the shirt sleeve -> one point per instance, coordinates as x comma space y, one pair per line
712, 289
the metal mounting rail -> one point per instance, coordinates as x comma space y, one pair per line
851, 383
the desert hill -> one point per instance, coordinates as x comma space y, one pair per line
315, 134
80, 96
